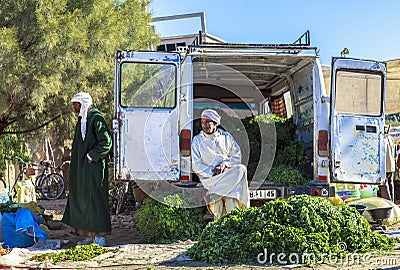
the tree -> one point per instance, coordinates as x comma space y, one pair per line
52, 49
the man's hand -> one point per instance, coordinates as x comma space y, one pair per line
89, 158
219, 168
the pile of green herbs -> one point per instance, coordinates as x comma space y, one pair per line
299, 225
288, 167
169, 218
77, 253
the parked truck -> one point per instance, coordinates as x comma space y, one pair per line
159, 94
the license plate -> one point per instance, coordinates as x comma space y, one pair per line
268, 194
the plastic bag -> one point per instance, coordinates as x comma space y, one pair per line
4, 196
25, 191
21, 229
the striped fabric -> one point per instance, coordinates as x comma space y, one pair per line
278, 106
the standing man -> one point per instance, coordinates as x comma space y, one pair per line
387, 190
87, 209
216, 159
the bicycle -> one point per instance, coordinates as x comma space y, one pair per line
49, 182
52, 183
119, 196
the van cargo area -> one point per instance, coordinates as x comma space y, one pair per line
245, 84
159, 97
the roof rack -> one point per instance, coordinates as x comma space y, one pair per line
305, 37
299, 45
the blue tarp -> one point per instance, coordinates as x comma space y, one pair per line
21, 229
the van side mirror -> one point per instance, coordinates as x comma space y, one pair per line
325, 99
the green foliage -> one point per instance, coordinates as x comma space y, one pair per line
52, 49
299, 225
286, 175
267, 119
285, 132
285, 128
77, 253
253, 127
169, 220
12, 145
289, 157
292, 155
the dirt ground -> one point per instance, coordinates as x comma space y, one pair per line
132, 254
123, 226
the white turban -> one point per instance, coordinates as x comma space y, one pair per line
86, 101
213, 115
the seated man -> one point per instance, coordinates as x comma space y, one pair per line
216, 159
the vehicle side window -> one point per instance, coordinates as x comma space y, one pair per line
358, 93
149, 85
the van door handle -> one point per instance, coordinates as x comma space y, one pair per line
337, 163
360, 128
371, 129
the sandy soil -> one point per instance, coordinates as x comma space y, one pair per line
123, 226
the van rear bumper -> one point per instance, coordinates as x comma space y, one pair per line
270, 191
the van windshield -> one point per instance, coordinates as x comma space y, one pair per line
150, 85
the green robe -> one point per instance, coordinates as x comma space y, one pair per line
87, 205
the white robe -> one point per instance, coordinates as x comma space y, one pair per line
209, 151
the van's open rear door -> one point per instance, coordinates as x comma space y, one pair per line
357, 121
146, 118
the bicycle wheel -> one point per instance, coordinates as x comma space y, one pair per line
119, 197
52, 186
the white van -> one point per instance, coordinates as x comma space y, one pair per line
158, 96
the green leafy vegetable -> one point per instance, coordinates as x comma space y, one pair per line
169, 220
77, 253
286, 175
299, 225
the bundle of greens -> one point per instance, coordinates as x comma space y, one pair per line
289, 159
299, 225
77, 253
168, 218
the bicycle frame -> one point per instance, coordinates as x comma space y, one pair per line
20, 176
46, 172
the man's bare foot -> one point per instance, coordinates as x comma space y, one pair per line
209, 216
74, 231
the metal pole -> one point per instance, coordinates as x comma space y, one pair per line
201, 15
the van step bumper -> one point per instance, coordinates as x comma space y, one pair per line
266, 191
270, 191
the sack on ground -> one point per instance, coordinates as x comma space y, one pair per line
21, 229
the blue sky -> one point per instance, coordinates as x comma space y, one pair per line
369, 29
